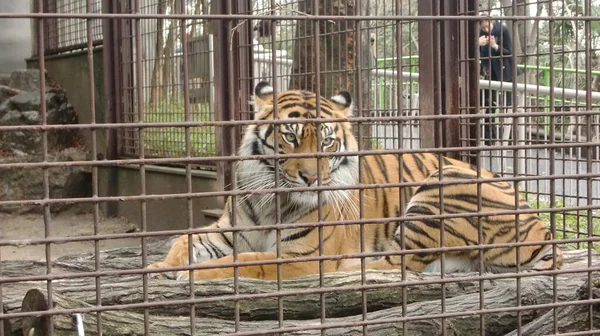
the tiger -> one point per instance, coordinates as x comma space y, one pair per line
340, 201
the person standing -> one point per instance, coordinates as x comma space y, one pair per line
495, 53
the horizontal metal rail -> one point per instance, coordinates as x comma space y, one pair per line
508, 86
293, 17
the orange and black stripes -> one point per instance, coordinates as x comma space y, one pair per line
383, 201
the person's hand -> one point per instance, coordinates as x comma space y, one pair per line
493, 43
483, 40
486, 72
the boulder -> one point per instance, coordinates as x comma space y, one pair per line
20, 104
7, 92
25, 80
31, 117
4, 79
28, 183
28, 100
12, 117
28, 142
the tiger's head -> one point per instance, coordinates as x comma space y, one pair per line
300, 138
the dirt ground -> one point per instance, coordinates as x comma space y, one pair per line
70, 223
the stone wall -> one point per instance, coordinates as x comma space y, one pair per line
20, 104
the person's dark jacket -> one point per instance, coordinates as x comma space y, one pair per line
501, 60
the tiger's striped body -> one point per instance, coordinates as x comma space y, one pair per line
341, 204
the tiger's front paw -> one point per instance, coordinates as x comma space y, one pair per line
204, 273
168, 274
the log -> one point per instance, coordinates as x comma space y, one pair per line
300, 310
499, 323
568, 318
347, 301
125, 258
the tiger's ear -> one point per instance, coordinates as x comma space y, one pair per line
343, 101
263, 95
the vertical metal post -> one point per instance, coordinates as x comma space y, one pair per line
439, 86
51, 36
472, 78
450, 90
429, 97
111, 85
224, 108
124, 76
246, 62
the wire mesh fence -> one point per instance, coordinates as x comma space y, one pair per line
388, 167
63, 35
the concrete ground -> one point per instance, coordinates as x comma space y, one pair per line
71, 223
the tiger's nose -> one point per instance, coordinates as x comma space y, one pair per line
309, 179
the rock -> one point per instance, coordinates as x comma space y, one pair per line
62, 115
4, 79
4, 108
25, 80
29, 142
31, 117
26, 101
18, 153
20, 104
72, 154
7, 92
27, 184
24, 108
11, 118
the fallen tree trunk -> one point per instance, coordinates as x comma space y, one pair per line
341, 299
300, 310
419, 315
570, 318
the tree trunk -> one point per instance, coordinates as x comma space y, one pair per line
156, 81
568, 318
168, 64
337, 56
336, 49
595, 60
258, 311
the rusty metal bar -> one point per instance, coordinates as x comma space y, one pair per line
51, 28
290, 17
472, 81
41, 35
488, 276
429, 57
449, 50
125, 75
61, 240
96, 210
72, 48
111, 84
258, 157
138, 103
449, 96
315, 327
123, 125
223, 111
188, 168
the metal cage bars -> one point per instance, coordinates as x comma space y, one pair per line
231, 94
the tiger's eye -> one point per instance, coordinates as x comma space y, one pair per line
289, 137
327, 142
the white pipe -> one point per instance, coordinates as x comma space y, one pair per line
79, 325
506, 86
